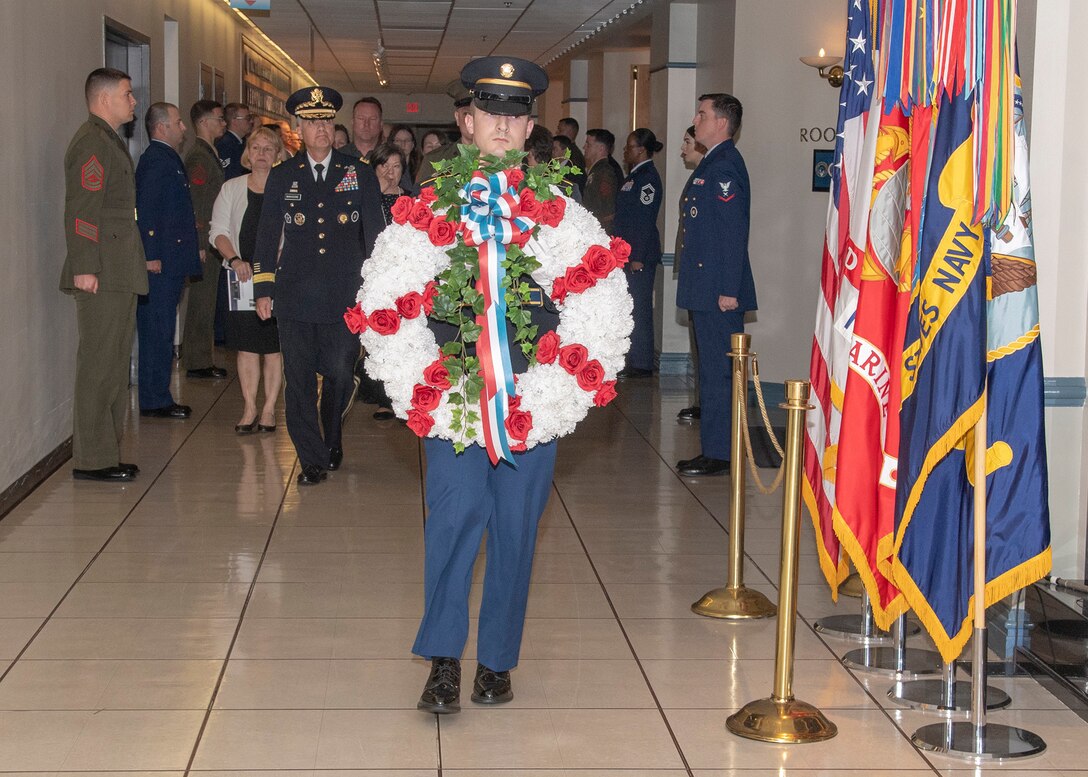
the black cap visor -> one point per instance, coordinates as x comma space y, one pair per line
504, 104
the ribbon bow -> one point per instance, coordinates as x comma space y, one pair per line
488, 222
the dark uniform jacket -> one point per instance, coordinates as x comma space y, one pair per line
100, 212
205, 181
637, 204
230, 148
679, 248
164, 211
328, 229
716, 234
599, 196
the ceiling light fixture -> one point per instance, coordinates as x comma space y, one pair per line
600, 26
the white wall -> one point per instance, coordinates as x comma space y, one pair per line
49, 47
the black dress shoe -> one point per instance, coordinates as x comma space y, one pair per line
687, 462
311, 475
704, 466
384, 414
688, 414
336, 456
129, 468
170, 411
634, 372
206, 372
442, 693
106, 474
491, 687
249, 428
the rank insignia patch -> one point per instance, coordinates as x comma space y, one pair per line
726, 194
646, 194
199, 176
87, 230
91, 175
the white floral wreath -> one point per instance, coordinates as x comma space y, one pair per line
574, 367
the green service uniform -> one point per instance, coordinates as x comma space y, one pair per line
442, 153
599, 196
205, 180
102, 239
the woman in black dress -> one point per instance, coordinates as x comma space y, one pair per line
234, 232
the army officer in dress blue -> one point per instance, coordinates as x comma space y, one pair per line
715, 281
637, 203
326, 208
164, 213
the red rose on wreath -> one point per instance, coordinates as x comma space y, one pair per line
621, 249
591, 376
384, 321
419, 422
518, 424
552, 211
547, 348
355, 318
559, 289
514, 177
605, 394
437, 375
429, 292
530, 206
401, 208
421, 216
578, 279
441, 232
513, 403
572, 357
410, 304
425, 398
427, 195
599, 261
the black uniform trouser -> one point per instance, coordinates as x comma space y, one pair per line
329, 350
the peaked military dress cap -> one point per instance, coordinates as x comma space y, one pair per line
504, 85
458, 93
315, 102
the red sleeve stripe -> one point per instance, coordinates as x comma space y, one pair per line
87, 230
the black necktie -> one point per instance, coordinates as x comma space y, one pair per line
320, 168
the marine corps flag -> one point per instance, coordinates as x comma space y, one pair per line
973, 330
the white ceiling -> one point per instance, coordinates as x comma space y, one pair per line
427, 42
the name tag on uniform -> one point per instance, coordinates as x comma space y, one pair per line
293, 196
627, 186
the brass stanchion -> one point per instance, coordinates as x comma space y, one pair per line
782, 718
735, 601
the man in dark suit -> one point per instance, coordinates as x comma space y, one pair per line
327, 208
233, 143
715, 281
164, 213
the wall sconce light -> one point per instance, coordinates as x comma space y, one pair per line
827, 66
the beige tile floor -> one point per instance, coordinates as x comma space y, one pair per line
212, 619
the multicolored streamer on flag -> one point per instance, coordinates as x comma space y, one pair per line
488, 223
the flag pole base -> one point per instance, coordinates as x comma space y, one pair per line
995, 742
929, 695
852, 627
891, 662
787, 722
734, 603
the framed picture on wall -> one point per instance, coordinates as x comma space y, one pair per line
822, 161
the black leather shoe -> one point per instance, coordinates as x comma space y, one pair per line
491, 687
704, 466
105, 475
384, 414
249, 428
170, 411
634, 372
688, 414
129, 468
442, 693
336, 456
687, 462
206, 372
311, 475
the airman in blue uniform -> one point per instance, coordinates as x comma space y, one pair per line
715, 281
326, 208
637, 204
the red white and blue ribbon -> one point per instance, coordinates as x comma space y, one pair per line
489, 223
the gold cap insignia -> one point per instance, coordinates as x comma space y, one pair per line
506, 70
317, 96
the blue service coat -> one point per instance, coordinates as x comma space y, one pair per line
716, 217
637, 204
328, 229
164, 212
230, 148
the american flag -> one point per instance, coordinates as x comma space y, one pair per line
844, 251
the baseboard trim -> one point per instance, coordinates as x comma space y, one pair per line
34, 477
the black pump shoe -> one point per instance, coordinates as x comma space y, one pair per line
491, 687
442, 693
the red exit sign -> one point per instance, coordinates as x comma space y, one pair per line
412, 108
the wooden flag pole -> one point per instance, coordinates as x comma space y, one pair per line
977, 739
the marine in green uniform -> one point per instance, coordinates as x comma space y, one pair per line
104, 271
205, 180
